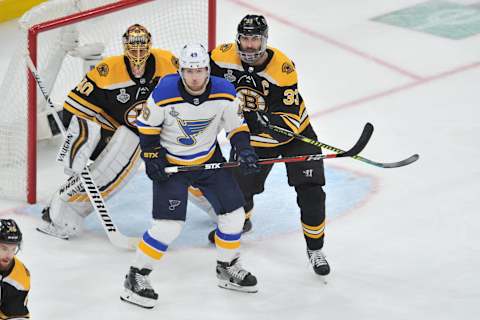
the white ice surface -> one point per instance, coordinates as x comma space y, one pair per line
405, 247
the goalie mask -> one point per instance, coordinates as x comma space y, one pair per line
194, 62
137, 42
253, 27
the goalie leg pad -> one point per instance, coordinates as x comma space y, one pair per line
81, 139
67, 219
111, 171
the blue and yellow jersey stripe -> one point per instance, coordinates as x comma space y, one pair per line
194, 159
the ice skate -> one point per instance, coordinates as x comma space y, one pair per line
137, 289
232, 276
319, 262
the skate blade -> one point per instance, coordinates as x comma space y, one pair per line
224, 284
48, 231
133, 298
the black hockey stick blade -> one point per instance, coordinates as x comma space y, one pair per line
361, 142
397, 164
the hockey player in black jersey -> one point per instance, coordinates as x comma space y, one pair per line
266, 82
100, 113
14, 276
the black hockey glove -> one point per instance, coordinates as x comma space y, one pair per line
155, 163
248, 161
257, 121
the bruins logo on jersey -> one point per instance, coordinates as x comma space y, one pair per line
225, 47
102, 69
251, 99
175, 62
287, 68
132, 113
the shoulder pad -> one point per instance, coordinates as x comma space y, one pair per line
226, 54
110, 72
19, 277
165, 62
281, 70
220, 86
167, 90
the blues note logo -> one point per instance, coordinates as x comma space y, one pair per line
192, 128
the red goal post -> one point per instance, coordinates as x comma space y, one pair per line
172, 24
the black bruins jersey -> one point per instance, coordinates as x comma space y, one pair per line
111, 96
270, 87
14, 287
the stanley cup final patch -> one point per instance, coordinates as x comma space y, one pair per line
123, 96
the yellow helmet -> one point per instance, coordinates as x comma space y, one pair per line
137, 42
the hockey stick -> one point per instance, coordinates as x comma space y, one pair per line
114, 235
297, 136
357, 148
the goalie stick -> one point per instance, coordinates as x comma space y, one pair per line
114, 235
357, 148
319, 144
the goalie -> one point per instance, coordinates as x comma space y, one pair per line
100, 113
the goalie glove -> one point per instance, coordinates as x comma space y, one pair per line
68, 39
89, 51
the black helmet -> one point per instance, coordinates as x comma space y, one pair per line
252, 25
9, 232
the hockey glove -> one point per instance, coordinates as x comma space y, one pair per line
248, 161
257, 121
155, 163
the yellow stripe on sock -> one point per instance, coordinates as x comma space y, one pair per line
313, 228
226, 245
149, 251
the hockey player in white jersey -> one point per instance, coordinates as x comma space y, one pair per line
179, 126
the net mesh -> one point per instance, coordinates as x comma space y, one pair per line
171, 23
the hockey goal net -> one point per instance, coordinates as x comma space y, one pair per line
23, 110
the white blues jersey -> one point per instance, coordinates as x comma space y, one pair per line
188, 125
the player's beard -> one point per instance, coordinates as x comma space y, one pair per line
5, 263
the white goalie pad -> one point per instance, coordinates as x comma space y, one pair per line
111, 171
80, 141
